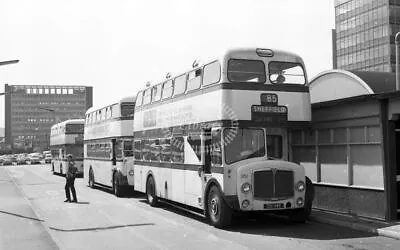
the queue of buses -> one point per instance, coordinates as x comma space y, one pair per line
214, 139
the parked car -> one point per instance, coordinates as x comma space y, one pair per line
21, 160
7, 161
34, 159
47, 158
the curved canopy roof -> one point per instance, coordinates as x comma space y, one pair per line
337, 84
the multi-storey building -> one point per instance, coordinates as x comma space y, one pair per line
30, 111
364, 37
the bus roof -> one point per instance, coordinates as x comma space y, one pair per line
70, 121
242, 53
252, 51
120, 100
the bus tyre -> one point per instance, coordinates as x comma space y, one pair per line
219, 213
91, 178
151, 192
301, 215
116, 187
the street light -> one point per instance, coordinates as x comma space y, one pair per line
396, 42
8, 62
54, 120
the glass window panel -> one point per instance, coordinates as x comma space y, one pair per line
248, 143
194, 79
212, 73
286, 72
252, 71
357, 135
367, 165
180, 85
333, 160
168, 89
324, 136
156, 92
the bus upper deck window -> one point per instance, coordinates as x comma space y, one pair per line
251, 71
211, 73
286, 72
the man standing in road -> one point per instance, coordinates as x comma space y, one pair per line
70, 179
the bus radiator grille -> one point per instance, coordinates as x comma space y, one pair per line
270, 184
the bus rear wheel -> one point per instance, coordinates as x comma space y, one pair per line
219, 213
151, 192
91, 178
116, 187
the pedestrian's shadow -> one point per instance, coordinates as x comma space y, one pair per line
82, 202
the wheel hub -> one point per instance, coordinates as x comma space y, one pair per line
214, 206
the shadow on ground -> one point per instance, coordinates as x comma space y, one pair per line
279, 226
268, 225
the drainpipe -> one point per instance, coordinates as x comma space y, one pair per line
396, 42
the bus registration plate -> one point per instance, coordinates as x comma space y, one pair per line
273, 205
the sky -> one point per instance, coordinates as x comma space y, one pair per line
117, 46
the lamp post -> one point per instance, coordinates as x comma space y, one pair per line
2, 63
47, 138
8, 62
396, 42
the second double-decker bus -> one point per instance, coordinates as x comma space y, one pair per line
67, 138
216, 138
108, 157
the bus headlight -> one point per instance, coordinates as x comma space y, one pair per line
131, 172
300, 186
299, 202
246, 187
245, 203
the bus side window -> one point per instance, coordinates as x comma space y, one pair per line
177, 149
138, 150
216, 151
155, 150
128, 148
211, 73
118, 149
165, 145
194, 79
146, 150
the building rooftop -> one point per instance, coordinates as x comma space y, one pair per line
338, 84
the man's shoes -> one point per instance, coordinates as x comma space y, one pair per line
75, 201
67, 200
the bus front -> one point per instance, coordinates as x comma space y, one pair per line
267, 93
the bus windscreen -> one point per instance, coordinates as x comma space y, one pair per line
240, 70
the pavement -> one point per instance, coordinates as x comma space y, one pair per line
378, 227
20, 227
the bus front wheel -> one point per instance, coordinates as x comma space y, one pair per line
151, 192
91, 178
302, 214
219, 213
116, 187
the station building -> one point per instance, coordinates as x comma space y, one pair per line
350, 152
30, 111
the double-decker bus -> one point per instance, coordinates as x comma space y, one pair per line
67, 138
108, 138
215, 139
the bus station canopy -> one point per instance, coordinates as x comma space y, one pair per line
338, 84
